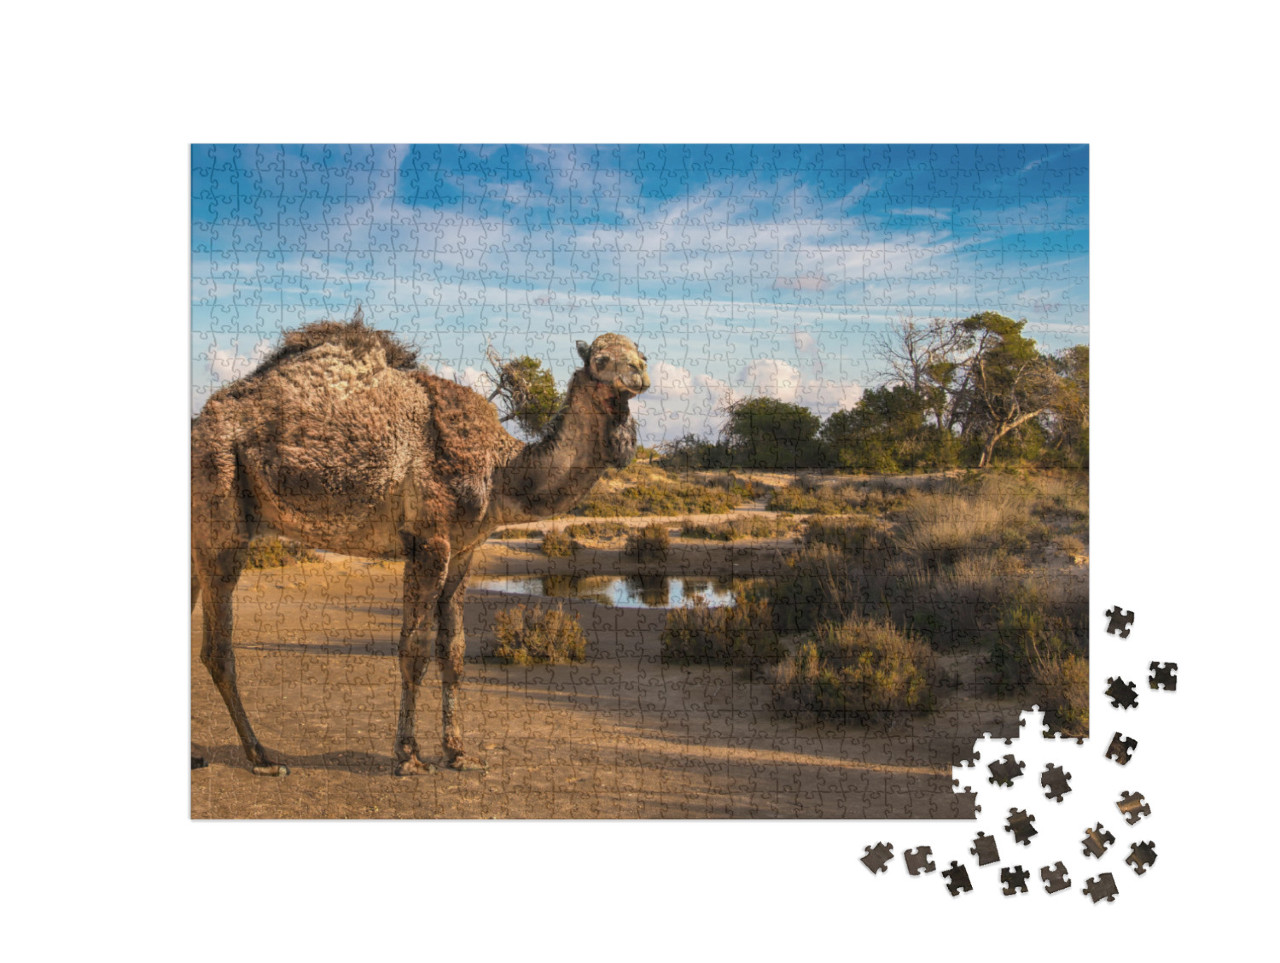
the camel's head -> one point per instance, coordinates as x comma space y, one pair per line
614, 360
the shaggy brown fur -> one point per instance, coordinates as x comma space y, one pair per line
338, 441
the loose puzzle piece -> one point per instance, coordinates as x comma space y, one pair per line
1055, 781
984, 847
1015, 880
1055, 880
1103, 887
957, 879
918, 860
1133, 807
1020, 825
1141, 856
1121, 749
1005, 771
1120, 622
1163, 677
877, 859
1122, 693
1096, 841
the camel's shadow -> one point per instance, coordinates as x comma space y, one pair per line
231, 755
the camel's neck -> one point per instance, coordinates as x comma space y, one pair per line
592, 433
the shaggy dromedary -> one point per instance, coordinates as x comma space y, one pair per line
340, 442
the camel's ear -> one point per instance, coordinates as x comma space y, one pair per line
584, 351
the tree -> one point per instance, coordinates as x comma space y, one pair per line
1068, 421
886, 431
926, 356
767, 433
1007, 382
526, 392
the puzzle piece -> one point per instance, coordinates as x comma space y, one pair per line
877, 859
1020, 825
918, 861
1102, 887
1119, 622
1005, 771
1141, 856
1015, 880
1122, 693
1121, 749
1096, 841
1055, 880
1133, 807
1163, 676
1055, 781
957, 879
985, 848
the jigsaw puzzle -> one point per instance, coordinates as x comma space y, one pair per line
637, 481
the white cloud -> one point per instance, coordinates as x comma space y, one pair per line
228, 364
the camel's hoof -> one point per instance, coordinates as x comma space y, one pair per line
467, 764
271, 769
413, 766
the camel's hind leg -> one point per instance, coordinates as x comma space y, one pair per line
216, 575
426, 563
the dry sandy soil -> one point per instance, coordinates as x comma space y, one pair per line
619, 736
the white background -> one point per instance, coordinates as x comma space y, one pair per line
102, 103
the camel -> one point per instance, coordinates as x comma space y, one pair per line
338, 440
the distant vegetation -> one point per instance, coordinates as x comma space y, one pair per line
967, 393
271, 552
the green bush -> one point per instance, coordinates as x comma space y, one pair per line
649, 546
600, 530
518, 533
660, 497
272, 552
532, 635
557, 544
749, 526
857, 671
731, 635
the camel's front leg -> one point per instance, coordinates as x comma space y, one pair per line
451, 647
425, 567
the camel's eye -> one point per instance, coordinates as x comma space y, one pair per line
602, 360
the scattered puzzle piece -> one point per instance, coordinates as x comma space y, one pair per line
1119, 623
1096, 841
1133, 806
984, 847
957, 879
1123, 694
877, 859
1005, 771
1103, 887
1020, 825
1141, 856
1055, 880
1163, 677
1015, 880
1055, 781
1121, 749
918, 861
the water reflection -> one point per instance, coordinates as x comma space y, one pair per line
623, 591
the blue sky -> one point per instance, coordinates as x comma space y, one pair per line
739, 270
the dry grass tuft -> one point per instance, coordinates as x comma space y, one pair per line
532, 635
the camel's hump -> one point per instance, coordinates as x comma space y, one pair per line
362, 343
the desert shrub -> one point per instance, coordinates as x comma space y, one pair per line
857, 671
557, 544
269, 551
1071, 546
655, 494
817, 584
532, 635
1061, 688
749, 526
734, 635
599, 530
649, 545
849, 535
518, 533
809, 495
1039, 627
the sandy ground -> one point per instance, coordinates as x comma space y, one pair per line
619, 736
